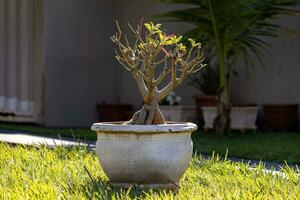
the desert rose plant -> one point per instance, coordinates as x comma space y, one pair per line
151, 50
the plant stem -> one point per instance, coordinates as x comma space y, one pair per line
218, 44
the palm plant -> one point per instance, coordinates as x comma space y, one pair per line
232, 30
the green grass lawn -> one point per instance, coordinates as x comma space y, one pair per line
61, 173
267, 146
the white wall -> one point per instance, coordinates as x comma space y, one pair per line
81, 70
279, 81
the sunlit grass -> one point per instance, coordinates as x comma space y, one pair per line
30, 173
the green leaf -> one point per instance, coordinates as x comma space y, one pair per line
181, 47
178, 39
148, 26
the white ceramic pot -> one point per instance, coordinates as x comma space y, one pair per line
242, 117
154, 156
209, 114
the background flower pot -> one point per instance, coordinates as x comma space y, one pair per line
204, 101
179, 113
153, 155
281, 117
114, 112
242, 117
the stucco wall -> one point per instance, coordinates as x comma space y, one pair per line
79, 58
279, 81
81, 70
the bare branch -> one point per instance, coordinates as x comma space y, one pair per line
137, 32
187, 67
120, 61
118, 27
141, 84
162, 76
160, 61
143, 75
166, 91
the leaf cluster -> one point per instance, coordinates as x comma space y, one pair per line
154, 48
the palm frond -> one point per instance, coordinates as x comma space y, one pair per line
242, 25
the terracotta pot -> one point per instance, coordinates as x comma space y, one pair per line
154, 156
114, 112
281, 117
206, 101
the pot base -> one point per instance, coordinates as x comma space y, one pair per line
170, 186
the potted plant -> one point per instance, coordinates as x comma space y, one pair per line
235, 34
173, 111
242, 117
207, 82
148, 150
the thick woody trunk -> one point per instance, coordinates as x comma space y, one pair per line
222, 121
149, 114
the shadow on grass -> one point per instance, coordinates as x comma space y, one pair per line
100, 189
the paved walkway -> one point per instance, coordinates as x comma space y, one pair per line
27, 138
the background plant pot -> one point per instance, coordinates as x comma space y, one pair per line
281, 117
242, 117
204, 101
153, 155
179, 113
114, 112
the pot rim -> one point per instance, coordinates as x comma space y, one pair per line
169, 127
